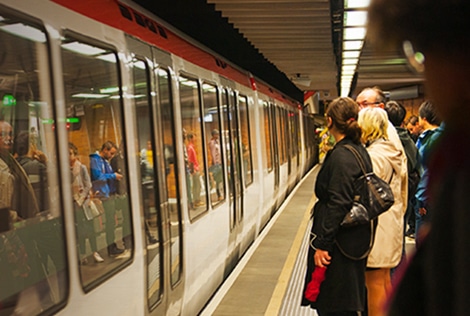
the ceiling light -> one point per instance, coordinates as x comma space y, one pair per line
90, 95
25, 31
83, 49
354, 33
350, 61
348, 67
354, 4
355, 18
351, 54
352, 45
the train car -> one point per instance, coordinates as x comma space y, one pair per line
136, 165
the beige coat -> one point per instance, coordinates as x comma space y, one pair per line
388, 245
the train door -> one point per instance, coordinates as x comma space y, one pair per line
151, 94
232, 143
275, 132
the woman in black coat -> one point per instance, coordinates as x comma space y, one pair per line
343, 291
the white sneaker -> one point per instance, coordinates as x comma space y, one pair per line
97, 257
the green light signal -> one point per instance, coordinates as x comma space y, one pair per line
9, 100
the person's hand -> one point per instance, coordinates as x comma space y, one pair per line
118, 176
321, 258
422, 211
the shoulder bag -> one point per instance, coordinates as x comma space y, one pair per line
373, 196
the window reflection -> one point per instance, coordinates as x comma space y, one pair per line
33, 274
193, 150
214, 144
94, 116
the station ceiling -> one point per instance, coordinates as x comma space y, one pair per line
294, 45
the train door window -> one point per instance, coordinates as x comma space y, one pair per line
268, 136
97, 158
280, 135
33, 276
228, 150
192, 132
214, 143
170, 197
245, 139
147, 176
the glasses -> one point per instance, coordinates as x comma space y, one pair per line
365, 103
415, 58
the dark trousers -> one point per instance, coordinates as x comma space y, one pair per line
109, 206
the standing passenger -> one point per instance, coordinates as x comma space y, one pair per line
194, 171
436, 281
216, 166
118, 164
103, 182
429, 123
343, 292
412, 125
396, 114
81, 189
387, 250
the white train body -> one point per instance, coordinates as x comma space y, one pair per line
182, 244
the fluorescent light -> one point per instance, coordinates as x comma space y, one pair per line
348, 72
354, 33
350, 61
108, 57
354, 4
355, 18
348, 67
83, 49
90, 95
25, 31
352, 54
345, 91
352, 45
109, 90
139, 64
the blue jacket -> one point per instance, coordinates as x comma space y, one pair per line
424, 144
102, 176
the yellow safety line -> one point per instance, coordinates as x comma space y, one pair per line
274, 305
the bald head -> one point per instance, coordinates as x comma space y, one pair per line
371, 97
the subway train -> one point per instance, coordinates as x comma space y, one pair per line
136, 165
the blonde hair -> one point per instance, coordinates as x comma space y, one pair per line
374, 123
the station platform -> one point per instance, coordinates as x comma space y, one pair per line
269, 278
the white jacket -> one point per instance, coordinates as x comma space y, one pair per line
387, 162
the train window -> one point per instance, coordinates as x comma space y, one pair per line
268, 136
149, 185
170, 199
97, 159
280, 135
33, 276
193, 139
245, 139
214, 143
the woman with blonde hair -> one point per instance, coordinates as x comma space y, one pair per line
388, 245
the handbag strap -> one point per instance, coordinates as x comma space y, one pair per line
358, 158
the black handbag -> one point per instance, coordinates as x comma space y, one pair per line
372, 196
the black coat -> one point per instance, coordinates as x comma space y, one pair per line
344, 287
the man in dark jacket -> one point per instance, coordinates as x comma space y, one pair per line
396, 115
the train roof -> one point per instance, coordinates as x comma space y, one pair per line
285, 43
